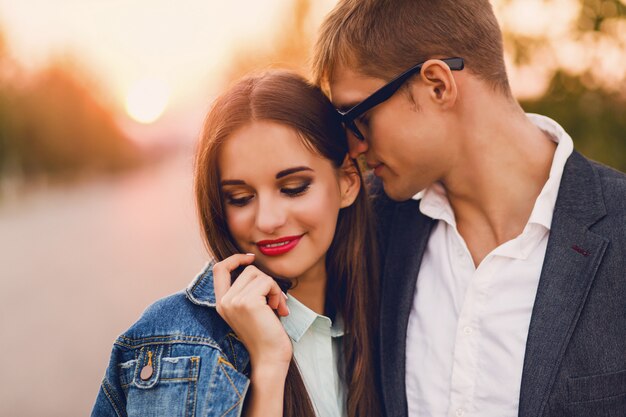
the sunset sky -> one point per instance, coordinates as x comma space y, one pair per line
123, 41
150, 56
128, 45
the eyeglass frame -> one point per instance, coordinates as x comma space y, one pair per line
385, 92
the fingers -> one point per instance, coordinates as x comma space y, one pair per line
278, 302
222, 271
265, 286
248, 288
282, 309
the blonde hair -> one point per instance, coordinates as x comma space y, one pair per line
382, 38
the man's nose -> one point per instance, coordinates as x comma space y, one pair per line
357, 146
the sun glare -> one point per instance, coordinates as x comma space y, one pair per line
146, 100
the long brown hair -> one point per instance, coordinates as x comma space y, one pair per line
351, 264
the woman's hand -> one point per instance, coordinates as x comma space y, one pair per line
248, 307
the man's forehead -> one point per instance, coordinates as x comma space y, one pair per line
348, 87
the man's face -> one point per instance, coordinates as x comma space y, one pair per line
404, 136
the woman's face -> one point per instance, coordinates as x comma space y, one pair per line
281, 200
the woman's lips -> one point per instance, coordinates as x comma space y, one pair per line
278, 246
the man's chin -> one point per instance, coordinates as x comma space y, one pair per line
396, 192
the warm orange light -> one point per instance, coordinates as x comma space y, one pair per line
147, 99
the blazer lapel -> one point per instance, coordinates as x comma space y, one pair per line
572, 258
406, 244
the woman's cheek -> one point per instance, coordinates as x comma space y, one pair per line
320, 209
238, 219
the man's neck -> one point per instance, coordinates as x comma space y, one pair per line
505, 163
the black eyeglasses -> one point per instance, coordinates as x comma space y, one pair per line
384, 93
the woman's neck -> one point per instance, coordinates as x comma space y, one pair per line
310, 290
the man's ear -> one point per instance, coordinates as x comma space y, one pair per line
438, 79
349, 182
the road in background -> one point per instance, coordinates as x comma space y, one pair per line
78, 265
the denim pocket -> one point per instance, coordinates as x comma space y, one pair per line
168, 388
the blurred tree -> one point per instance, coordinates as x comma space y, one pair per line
59, 129
576, 49
4, 143
52, 126
593, 117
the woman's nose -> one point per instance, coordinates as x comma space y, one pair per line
270, 216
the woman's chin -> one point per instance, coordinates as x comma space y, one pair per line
281, 269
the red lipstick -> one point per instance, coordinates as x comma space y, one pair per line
278, 246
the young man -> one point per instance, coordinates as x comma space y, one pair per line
504, 250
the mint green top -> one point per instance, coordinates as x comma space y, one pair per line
317, 349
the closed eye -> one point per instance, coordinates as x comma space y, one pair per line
296, 191
238, 201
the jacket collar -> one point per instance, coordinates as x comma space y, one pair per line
573, 257
201, 290
580, 194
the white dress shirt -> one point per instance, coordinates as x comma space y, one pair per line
317, 349
468, 325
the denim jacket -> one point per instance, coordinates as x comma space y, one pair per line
179, 359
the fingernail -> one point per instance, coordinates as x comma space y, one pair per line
250, 254
285, 295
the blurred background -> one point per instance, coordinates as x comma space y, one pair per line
100, 107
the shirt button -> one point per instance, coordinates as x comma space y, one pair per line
459, 412
468, 330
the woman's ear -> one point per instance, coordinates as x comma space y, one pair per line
349, 182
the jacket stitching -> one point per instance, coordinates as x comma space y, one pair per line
190, 290
186, 413
191, 377
221, 361
131, 343
233, 407
224, 361
110, 397
229, 380
232, 347
195, 374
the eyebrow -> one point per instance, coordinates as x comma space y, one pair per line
233, 182
290, 171
281, 174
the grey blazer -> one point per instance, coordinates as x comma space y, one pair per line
575, 361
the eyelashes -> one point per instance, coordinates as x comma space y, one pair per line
242, 200
238, 202
296, 191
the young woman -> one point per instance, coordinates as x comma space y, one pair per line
283, 211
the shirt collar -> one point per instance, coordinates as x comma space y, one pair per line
434, 201
201, 291
301, 319
544, 206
